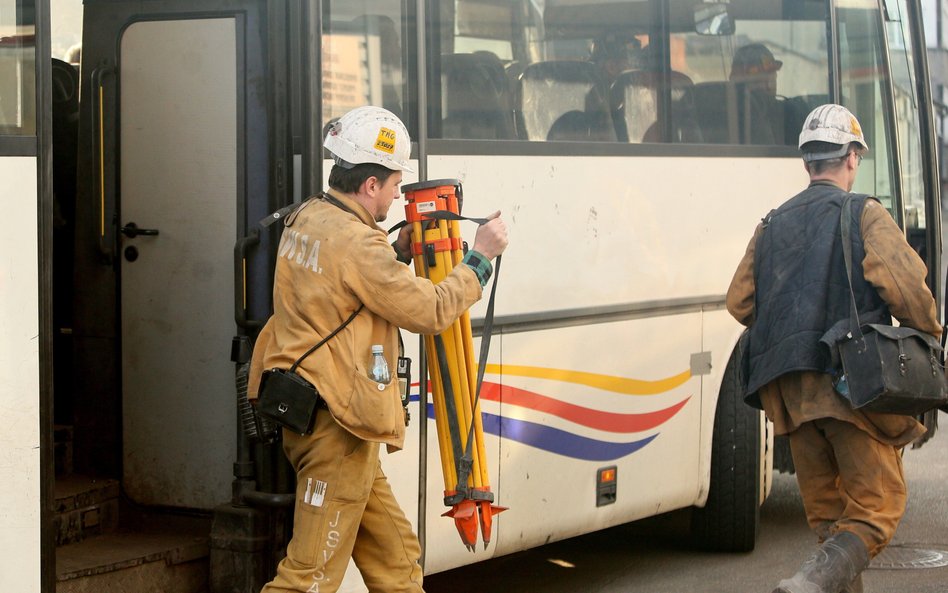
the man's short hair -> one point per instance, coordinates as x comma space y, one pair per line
350, 180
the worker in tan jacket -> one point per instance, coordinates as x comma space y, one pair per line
790, 288
332, 260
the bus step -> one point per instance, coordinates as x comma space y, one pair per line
85, 507
139, 562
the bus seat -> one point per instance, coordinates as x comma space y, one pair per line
550, 90
716, 111
475, 97
580, 126
634, 102
760, 118
731, 113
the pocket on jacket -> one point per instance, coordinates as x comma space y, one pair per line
373, 410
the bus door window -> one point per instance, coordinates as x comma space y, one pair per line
908, 126
754, 82
364, 57
17, 69
863, 86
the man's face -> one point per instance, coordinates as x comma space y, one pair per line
386, 194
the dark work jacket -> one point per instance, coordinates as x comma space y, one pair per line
801, 291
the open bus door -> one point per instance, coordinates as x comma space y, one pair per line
912, 128
172, 139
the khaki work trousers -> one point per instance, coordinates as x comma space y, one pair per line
849, 481
344, 508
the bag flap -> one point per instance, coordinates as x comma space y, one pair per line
901, 333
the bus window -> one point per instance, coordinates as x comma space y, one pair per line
755, 84
17, 69
864, 92
604, 71
901, 62
364, 57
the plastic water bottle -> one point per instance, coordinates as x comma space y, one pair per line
841, 385
378, 370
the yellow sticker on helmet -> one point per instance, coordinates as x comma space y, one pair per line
854, 126
386, 141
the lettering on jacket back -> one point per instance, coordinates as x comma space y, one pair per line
300, 249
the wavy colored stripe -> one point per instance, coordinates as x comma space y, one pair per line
592, 418
557, 441
604, 382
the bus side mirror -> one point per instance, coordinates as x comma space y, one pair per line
713, 19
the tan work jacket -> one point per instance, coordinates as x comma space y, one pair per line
329, 262
898, 273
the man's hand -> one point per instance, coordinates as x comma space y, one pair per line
402, 244
491, 238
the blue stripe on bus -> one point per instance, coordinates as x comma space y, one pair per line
557, 441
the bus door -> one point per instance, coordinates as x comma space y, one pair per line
883, 74
163, 187
178, 183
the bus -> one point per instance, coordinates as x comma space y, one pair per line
632, 145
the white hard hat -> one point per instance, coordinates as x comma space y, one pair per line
833, 124
369, 135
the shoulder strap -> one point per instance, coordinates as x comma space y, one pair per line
845, 231
765, 222
326, 339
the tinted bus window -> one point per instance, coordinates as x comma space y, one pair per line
901, 61
17, 69
626, 71
865, 92
752, 83
364, 57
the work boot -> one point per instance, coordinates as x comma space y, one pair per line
834, 566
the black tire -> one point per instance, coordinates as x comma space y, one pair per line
730, 520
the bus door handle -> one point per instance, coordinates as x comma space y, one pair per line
132, 230
241, 248
104, 191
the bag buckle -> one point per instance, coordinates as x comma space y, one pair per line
903, 359
282, 408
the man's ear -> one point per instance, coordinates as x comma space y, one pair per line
371, 185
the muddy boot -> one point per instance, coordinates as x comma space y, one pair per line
834, 566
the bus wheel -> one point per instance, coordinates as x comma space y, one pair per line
730, 519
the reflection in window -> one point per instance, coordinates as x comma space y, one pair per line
901, 61
864, 92
739, 72
756, 85
363, 49
17, 68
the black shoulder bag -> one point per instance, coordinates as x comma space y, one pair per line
894, 370
287, 398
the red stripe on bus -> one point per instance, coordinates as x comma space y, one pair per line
592, 418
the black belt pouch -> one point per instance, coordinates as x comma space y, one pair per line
288, 399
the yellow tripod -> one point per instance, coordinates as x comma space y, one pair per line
433, 211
